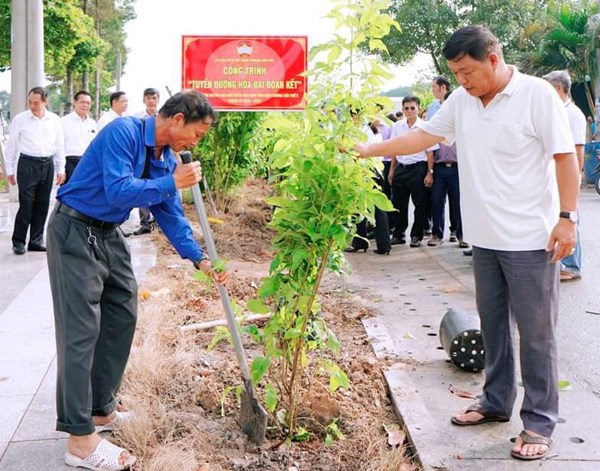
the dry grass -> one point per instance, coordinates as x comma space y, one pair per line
175, 386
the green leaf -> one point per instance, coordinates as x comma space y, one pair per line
271, 398
564, 385
301, 435
338, 379
257, 306
258, 368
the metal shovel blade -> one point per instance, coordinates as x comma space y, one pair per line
253, 418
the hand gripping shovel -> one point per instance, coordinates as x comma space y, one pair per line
253, 418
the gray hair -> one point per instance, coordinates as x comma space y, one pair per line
560, 78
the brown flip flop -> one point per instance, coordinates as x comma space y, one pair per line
487, 417
529, 439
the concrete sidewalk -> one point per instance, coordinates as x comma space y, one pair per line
28, 441
412, 290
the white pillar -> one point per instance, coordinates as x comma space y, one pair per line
18, 58
35, 44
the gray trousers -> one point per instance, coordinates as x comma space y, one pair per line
519, 287
94, 294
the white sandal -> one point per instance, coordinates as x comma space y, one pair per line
104, 458
118, 420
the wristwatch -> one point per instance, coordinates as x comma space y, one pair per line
570, 215
430, 170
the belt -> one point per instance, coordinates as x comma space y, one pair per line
422, 162
68, 211
73, 157
448, 164
33, 157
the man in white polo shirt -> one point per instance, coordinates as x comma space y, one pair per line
411, 176
519, 184
561, 81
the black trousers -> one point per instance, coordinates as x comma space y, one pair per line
72, 161
382, 228
409, 183
94, 294
387, 190
34, 177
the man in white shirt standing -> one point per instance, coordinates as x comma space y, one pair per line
411, 175
118, 107
35, 150
561, 81
151, 100
79, 129
519, 184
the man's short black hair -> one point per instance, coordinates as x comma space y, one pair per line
41, 91
115, 97
192, 104
440, 80
411, 99
151, 91
475, 41
80, 93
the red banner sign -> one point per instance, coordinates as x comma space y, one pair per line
253, 73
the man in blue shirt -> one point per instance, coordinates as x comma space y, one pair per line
130, 164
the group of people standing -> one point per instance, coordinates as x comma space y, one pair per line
427, 178
42, 145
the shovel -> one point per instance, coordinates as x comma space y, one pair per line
253, 418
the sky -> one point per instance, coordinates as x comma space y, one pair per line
154, 37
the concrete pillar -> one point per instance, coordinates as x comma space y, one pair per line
18, 58
27, 55
35, 44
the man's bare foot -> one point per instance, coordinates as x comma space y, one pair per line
469, 417
531, 445
84, 445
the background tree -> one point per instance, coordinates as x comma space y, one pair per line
79, 36
427, 24
565, 37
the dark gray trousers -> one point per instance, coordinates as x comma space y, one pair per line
519, 287
94, 294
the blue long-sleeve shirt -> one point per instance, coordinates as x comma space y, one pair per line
107, 183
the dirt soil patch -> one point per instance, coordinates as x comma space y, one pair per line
176, 385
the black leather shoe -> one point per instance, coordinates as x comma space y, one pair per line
142, 231
354, 249
468, 253
382, 252
398, 241
32, 247
19, 249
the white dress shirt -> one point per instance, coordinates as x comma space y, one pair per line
36, 137
106, 118
400, 128
78, 133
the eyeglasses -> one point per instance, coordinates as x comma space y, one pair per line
410, 108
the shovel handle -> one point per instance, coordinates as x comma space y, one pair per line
186, 158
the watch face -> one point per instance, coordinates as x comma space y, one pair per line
573, 217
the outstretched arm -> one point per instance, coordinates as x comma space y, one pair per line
410, 143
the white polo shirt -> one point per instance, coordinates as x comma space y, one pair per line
508, 190
401, 127
577, 121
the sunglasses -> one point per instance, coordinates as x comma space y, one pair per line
410, 108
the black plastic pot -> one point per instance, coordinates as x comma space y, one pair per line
461, 339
